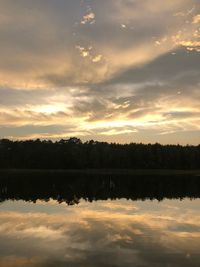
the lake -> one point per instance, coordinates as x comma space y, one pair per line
87, 220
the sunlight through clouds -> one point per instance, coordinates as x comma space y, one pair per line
100, 66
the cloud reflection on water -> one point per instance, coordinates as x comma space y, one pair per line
105, 233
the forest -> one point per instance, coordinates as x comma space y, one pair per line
72, 153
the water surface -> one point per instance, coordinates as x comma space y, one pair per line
94, 223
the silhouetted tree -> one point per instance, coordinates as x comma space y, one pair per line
72, 153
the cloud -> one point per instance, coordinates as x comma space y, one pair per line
91, 64
40, 44
196, 19
116, 232
88, 18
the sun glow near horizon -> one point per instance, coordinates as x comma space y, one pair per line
100, 69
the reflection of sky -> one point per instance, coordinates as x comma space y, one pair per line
103, 233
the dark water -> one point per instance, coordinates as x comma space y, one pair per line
99, 220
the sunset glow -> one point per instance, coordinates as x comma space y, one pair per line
118, 71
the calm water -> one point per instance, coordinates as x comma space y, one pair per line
117, 232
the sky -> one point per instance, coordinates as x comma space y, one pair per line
110, 70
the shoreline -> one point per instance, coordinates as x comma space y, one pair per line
103, 171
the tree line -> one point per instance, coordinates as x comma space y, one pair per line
72, 153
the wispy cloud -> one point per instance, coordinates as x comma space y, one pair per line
99, 63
